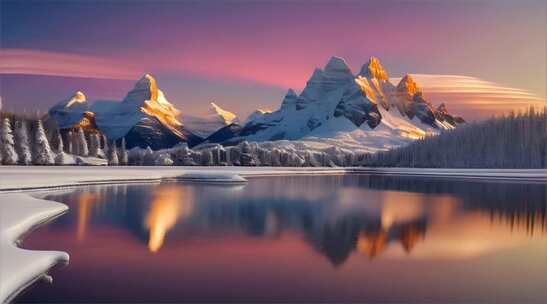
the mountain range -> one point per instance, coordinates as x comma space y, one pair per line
362, 111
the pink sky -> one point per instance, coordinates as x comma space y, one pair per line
245, 55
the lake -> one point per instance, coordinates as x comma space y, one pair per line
358, 238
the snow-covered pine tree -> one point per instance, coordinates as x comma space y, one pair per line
104, 144
60, 145
83, 149
61, 158
7, 145
148, 158
42, 151
69, 143
75, 142
124, 158
22, 143
113, 155
94, 144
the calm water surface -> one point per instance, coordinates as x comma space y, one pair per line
279, 239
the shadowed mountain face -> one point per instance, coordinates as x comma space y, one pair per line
335, 227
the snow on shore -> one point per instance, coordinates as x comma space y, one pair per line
19, 268
17, 178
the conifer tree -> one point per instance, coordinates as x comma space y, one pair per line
124, 158
7, 144
69, 143
22, 143
83, 149
113, 155
42, 151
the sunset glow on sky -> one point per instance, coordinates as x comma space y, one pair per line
245, 55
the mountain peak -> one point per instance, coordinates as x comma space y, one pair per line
147, 82
373, 69
337, 64
290, 93
76, 102
408, 85
226, 116
317, 75
290, 99
79, 96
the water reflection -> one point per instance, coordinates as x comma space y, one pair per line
85, 200
373, 216
169, 203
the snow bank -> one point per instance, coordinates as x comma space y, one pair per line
19, 268
212, 177
17, 178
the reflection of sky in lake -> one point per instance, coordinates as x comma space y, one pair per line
314, 238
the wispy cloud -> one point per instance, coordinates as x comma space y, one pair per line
473, 97
33, 62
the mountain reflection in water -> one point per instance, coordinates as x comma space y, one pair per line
337, 216
168, 205
284, 239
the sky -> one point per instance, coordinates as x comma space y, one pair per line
244, 55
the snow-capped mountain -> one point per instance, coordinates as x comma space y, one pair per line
144, 117
336, 107
216, 118
69, 112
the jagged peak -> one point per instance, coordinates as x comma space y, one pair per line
317, 74
407, 84
373, 69
290, 93
290, 98
337, 64
227, 116
148, 82
77, 98
213, 106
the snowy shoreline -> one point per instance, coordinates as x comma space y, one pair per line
21, 213
23, 178
20, 268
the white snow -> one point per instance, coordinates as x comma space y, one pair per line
19, 267
214, 119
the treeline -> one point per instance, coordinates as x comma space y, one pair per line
25, 141
516, 140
